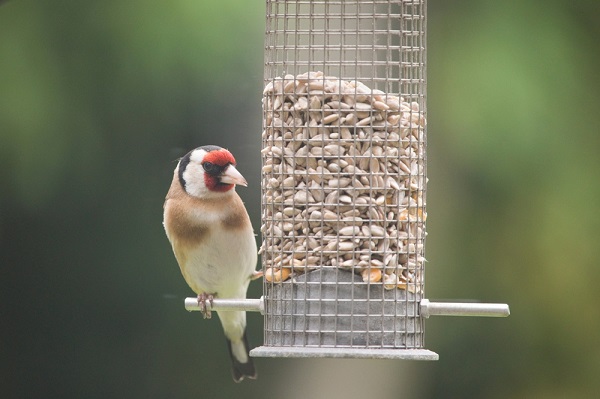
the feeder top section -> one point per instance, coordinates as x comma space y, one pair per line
375, 42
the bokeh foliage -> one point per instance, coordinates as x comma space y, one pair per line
97, 101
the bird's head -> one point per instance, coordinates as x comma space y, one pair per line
209, 170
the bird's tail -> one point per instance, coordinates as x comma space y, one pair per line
241, 362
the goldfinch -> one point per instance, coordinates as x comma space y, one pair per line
213, 241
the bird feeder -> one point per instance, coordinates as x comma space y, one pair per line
344, 183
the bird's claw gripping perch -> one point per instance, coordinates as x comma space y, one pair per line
202, 303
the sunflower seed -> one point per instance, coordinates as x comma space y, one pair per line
343, 181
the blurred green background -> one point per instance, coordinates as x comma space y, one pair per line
98, 100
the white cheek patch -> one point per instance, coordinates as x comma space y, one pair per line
194, 179
193, 175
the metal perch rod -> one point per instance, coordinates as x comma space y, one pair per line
463, 309
246, 305
427, 308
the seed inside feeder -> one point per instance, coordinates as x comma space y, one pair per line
343, 177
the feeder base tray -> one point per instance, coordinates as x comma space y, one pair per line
345, 353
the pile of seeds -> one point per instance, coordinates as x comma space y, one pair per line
343, 181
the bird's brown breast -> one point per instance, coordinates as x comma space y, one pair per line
183, 212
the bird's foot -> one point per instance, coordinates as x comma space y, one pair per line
256, 275
202, 303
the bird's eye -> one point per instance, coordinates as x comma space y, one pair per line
211, 168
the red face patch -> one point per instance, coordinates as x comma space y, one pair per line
220, 157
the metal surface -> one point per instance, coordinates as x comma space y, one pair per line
463, 309
343, 177
247, 305
344, 353
379, 42
330, 307
427, 308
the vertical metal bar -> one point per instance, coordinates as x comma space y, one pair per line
423, 107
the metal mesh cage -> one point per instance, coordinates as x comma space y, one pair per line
343, 176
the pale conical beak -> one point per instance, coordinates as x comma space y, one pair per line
232, 176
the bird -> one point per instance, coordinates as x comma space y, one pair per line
213, 241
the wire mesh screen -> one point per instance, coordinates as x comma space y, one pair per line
343, 173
